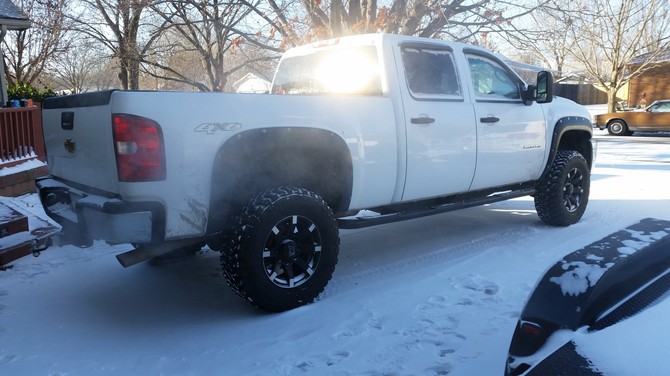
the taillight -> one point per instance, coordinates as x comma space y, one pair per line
531, 329
138, 143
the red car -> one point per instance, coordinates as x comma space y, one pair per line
655, 118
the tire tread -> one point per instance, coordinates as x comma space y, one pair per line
548, 197
250, 217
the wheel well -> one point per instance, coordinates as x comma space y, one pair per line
255, 160
617, 119
579, 140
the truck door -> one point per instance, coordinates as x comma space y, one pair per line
440, 124
511, 136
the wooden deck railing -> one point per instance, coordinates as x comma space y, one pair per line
21, 137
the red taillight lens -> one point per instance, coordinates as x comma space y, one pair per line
531, 329
138, 143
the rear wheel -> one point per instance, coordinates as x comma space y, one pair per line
562, 195
618, 128
284, 249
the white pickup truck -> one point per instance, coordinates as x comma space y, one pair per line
392, 126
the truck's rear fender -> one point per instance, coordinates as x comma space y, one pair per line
571, 133
314, 159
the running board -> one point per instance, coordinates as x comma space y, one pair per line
145, 253
354, 222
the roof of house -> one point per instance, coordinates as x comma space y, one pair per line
662, 57
12, 16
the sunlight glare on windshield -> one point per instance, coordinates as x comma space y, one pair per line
346, 72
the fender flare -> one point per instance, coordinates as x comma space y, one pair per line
568, 131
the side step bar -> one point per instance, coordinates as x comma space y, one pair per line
410, 211
145, 253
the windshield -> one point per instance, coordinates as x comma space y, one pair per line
353, 71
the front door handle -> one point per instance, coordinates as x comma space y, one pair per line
422, 120
489, 119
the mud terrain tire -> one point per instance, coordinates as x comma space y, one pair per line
284, 249
562, 195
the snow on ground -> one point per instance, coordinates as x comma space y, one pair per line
23, 166
433, 296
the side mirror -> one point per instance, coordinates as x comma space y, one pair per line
545, 87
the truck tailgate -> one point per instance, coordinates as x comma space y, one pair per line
79, 139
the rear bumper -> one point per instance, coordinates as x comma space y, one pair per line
86, 216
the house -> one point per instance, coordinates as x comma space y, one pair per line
653, 84
11, 18
251, 83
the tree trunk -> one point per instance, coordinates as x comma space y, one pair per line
123, 76
611, 99
134, 74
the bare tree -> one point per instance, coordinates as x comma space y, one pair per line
215, 31
452, 19
118, 25
75, 68
28, 52
104, 75
610, 35
549, 40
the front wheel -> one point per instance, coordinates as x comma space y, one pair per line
562, 195
284, 249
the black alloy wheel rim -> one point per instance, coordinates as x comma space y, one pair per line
573, 190
291, 251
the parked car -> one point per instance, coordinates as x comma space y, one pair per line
654, 118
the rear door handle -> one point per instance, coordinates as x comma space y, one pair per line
422, 120
489, 119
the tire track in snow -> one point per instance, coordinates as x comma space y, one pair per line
346, 278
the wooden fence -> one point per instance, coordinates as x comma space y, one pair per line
21, 140
21, 136
583, 94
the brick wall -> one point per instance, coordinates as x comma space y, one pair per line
653, 85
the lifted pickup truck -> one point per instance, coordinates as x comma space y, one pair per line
399, 126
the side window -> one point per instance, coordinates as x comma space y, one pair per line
661, 107
491, 81
430, 73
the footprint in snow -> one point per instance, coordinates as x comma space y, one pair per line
6, 358
439, 370
362, 322
478, 283
324, 360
